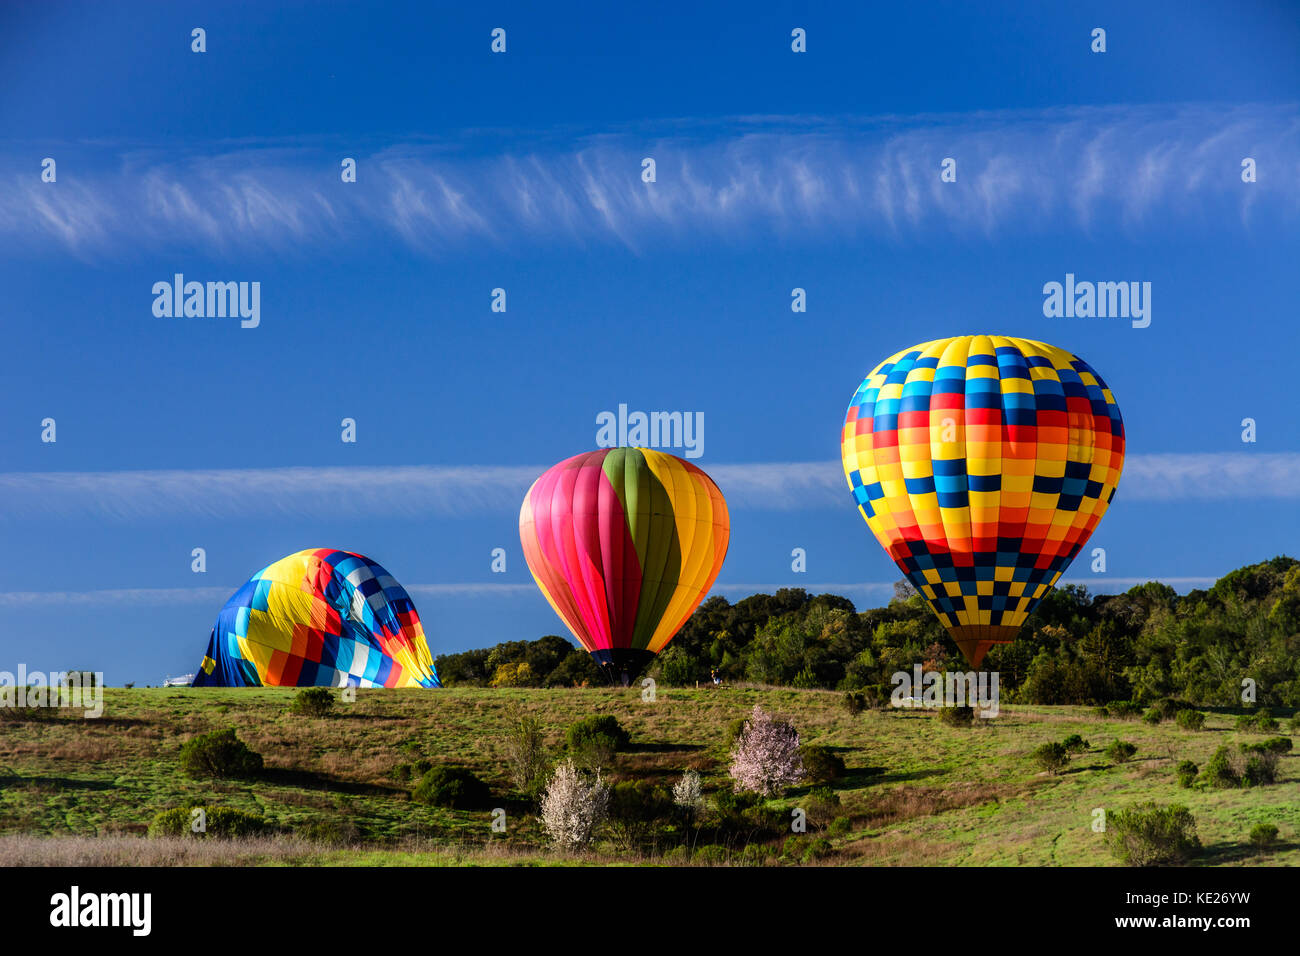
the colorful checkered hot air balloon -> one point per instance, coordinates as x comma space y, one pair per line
319, 618
624, 543
982, 464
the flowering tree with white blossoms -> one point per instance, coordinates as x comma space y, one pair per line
688, 794
766, 756
573, 807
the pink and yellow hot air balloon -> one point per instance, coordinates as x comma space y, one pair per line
982, 464
624, 543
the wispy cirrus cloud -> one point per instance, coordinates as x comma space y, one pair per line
799, 178
216, 596
453, 491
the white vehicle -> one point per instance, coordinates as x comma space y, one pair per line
185, 680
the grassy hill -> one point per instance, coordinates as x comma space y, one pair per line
916, 791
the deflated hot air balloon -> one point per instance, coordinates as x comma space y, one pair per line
624, 543
319, 618
982, 464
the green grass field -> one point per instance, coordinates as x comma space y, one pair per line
917, 792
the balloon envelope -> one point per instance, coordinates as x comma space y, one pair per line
319, 618
624, 543
982, 464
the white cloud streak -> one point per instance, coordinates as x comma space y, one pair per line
216, 596
426, 491
752, 178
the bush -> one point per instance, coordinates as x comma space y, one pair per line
854, 702
1151, 835
1274, 745
1074, 744
597, 726
335, 832
1170, 707
1051, 757
593, 742
1153, 716
1186, 771
711, 855
755, 854
313, 702
223, 823
1260, 769
821, 764
635, 810
821, 805
1190, 720
452, 787
840, 827
219, 754
525, 747
1293, 724
817, 849
1263, 835
957, 716
1101, 711
1220, 772
1260, 722
1121, 751
1123, 709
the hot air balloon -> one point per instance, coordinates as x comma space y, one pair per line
624, 543
319, 618
982, 464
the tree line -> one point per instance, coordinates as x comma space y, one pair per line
1148, 643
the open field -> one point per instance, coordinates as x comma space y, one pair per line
917, 792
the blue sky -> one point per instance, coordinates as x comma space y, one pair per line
775, 170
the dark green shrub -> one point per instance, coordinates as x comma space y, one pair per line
821, 764
732, 734
1101, 711
1170, 707
453, 787
1121, 751
854, 702
1124, 709
1186, 771
1260, 769
1051, 757
1273, 745
756, 854
636, 810
840, 827
821, 805
219, 754
1263, 835
957, 716
1260, 722
597, 726
1190, 719
313, 702
711, 855
1220, 772
334, 832
1293, 724
817, 849
1152, 716
1151, 835
222, 823
1074, 744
